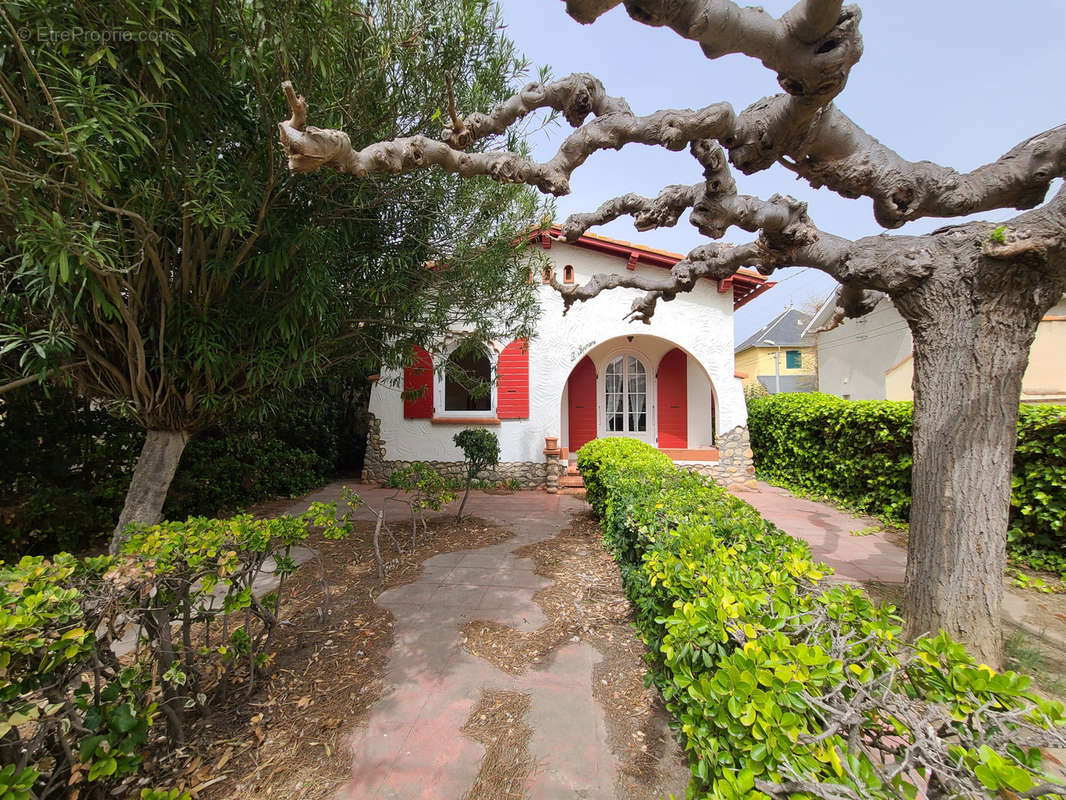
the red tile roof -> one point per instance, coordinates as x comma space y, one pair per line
746, 285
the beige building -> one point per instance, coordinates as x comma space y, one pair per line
871, 358
778, 357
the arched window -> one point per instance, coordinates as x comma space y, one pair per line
568, 274
546, 275
466, 371
626, 396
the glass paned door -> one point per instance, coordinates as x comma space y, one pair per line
626, 398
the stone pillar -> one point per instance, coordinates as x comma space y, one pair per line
552, 465
374, 460
735, 459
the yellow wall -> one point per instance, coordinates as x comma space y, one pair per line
898, 380
755, 361
1045, 377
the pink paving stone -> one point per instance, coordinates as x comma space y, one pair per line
411, 746
828, 531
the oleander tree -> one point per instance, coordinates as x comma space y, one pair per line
972, 293
154, 250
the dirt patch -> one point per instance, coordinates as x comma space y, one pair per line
587, 603
497, 723
288, 740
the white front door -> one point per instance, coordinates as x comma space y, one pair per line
625, 400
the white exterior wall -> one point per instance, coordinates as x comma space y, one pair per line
699, 322
854, 357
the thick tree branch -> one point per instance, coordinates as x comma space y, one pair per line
309, 148
812, 48
588, 11
851, 302
661, 211
838, 154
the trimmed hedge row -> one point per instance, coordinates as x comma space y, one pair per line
859, 452
782, 684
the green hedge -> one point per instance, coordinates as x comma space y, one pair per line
68, 463
859, 453
779, 680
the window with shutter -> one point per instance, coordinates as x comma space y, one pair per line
512, 381
418, 386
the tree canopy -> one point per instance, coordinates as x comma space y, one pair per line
154, 250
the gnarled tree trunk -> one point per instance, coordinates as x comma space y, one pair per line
155, 470
971, 347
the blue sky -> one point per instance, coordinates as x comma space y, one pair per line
959, 83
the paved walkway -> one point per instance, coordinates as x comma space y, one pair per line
829, 533
874, 557
411, 745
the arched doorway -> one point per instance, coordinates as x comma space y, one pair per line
643, 387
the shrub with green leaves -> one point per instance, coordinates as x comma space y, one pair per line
424, 489
859, 453
481, 450
73, 712
785, 685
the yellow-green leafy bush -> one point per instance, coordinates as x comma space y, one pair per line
77, 713
785, 685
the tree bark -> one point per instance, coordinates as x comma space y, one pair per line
155, 470
971, 347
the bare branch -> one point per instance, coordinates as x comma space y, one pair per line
309, 148
851, 302
840, 155
662, 211
714, 261
587, 11
576, 96
811, 48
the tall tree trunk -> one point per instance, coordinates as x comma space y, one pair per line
155, 470
971, 347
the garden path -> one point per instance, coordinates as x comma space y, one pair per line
411, 745
880, 556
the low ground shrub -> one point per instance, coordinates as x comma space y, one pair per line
785, 685
76, 714
859, 453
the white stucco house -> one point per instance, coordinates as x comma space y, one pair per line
584, 375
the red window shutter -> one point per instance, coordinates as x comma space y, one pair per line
512, 381
418, 387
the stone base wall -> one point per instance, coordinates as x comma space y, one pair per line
735, 464
529, 474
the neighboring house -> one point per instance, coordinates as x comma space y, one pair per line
871, 358
584, 375
778, 357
